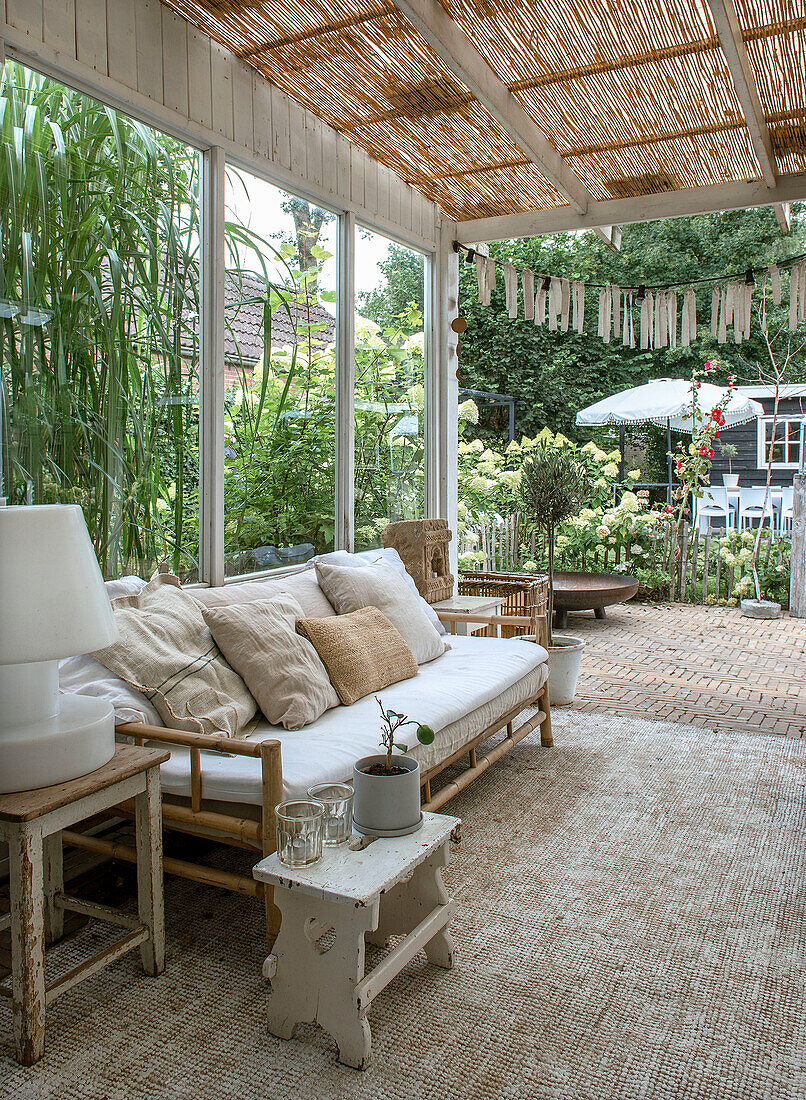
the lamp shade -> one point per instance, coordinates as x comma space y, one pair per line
53, 602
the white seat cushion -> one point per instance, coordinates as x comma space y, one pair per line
469, 676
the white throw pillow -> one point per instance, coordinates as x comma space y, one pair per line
280, 667
302, 585
380, 585
391, 557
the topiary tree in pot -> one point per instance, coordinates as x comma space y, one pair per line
553, 487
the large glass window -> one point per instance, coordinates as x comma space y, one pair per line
389, 386
280, 370
99, 304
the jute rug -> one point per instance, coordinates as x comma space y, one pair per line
630, 925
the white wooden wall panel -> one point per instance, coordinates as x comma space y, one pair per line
121, 41
60, 25
221, 82
200, 88
242, 106
174, 61
26, 16
137, 54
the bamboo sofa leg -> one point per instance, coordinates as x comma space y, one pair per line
272, 784
546, 738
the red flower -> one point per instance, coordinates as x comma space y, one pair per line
710, 452
698, 383
704, 451
708, 364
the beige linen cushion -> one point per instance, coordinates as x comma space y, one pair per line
303, 586
280, 667
361, 651
380, 585
166, 651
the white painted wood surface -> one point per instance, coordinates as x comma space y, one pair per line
137, 55
356, 878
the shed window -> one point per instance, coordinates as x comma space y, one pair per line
786, 443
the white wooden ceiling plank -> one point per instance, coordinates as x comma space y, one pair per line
91, 46
26, 16
261, 116
243, 117
59, 18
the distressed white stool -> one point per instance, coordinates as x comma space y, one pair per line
32, 822
391, 887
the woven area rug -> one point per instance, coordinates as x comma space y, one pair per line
630, 924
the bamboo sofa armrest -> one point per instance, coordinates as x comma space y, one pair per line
269, 752
194, 740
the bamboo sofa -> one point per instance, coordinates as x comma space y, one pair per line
226, 789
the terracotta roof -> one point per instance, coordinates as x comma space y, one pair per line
636, 96
243, 335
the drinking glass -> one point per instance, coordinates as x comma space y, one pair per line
299, 832
337, 798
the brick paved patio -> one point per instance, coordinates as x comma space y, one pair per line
696, 665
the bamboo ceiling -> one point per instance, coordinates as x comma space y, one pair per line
635, 95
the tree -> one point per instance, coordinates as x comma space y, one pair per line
308, 224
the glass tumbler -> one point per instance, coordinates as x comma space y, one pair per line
337, 798
299, 832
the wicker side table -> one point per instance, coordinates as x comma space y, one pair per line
31, 823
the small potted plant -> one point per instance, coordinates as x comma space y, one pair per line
728, 451
554, 486
387, 785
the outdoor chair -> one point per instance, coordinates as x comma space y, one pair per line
787, 513
713, 505
752, 507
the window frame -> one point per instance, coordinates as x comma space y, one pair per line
763, 443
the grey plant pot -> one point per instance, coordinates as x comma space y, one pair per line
386, 805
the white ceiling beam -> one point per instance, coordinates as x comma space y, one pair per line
445, 37
610, 234
644, 208
744, 81
783, 212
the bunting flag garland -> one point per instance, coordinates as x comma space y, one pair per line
578, 301
528, 279
511, 290
667, 315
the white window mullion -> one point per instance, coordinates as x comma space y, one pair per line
211, 413
445, 304
345, 387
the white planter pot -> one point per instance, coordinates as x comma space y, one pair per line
387, 805
730, 481
565, 657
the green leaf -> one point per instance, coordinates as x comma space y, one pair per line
400, 748
425, 735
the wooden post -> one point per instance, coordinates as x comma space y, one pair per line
54, 884
148, 824
25, 851
797, 589
272, 785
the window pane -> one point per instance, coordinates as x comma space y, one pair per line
389, 386
98, 317
280, 369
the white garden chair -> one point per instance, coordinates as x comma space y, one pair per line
752, 507
713, 505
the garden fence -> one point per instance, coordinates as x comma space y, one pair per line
701, 574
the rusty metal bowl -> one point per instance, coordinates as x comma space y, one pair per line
589, 592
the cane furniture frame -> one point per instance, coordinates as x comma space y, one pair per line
259, 833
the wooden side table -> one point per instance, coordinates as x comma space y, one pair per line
31, 824
391, 887
480, 606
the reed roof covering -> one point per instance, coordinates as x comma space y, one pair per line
636, 95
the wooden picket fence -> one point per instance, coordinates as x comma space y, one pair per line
504, 544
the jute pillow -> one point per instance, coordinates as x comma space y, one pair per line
280, 667
361, 651
379, 585
166, 651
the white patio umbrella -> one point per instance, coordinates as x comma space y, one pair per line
666, 402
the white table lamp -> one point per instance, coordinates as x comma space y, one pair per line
53, 604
